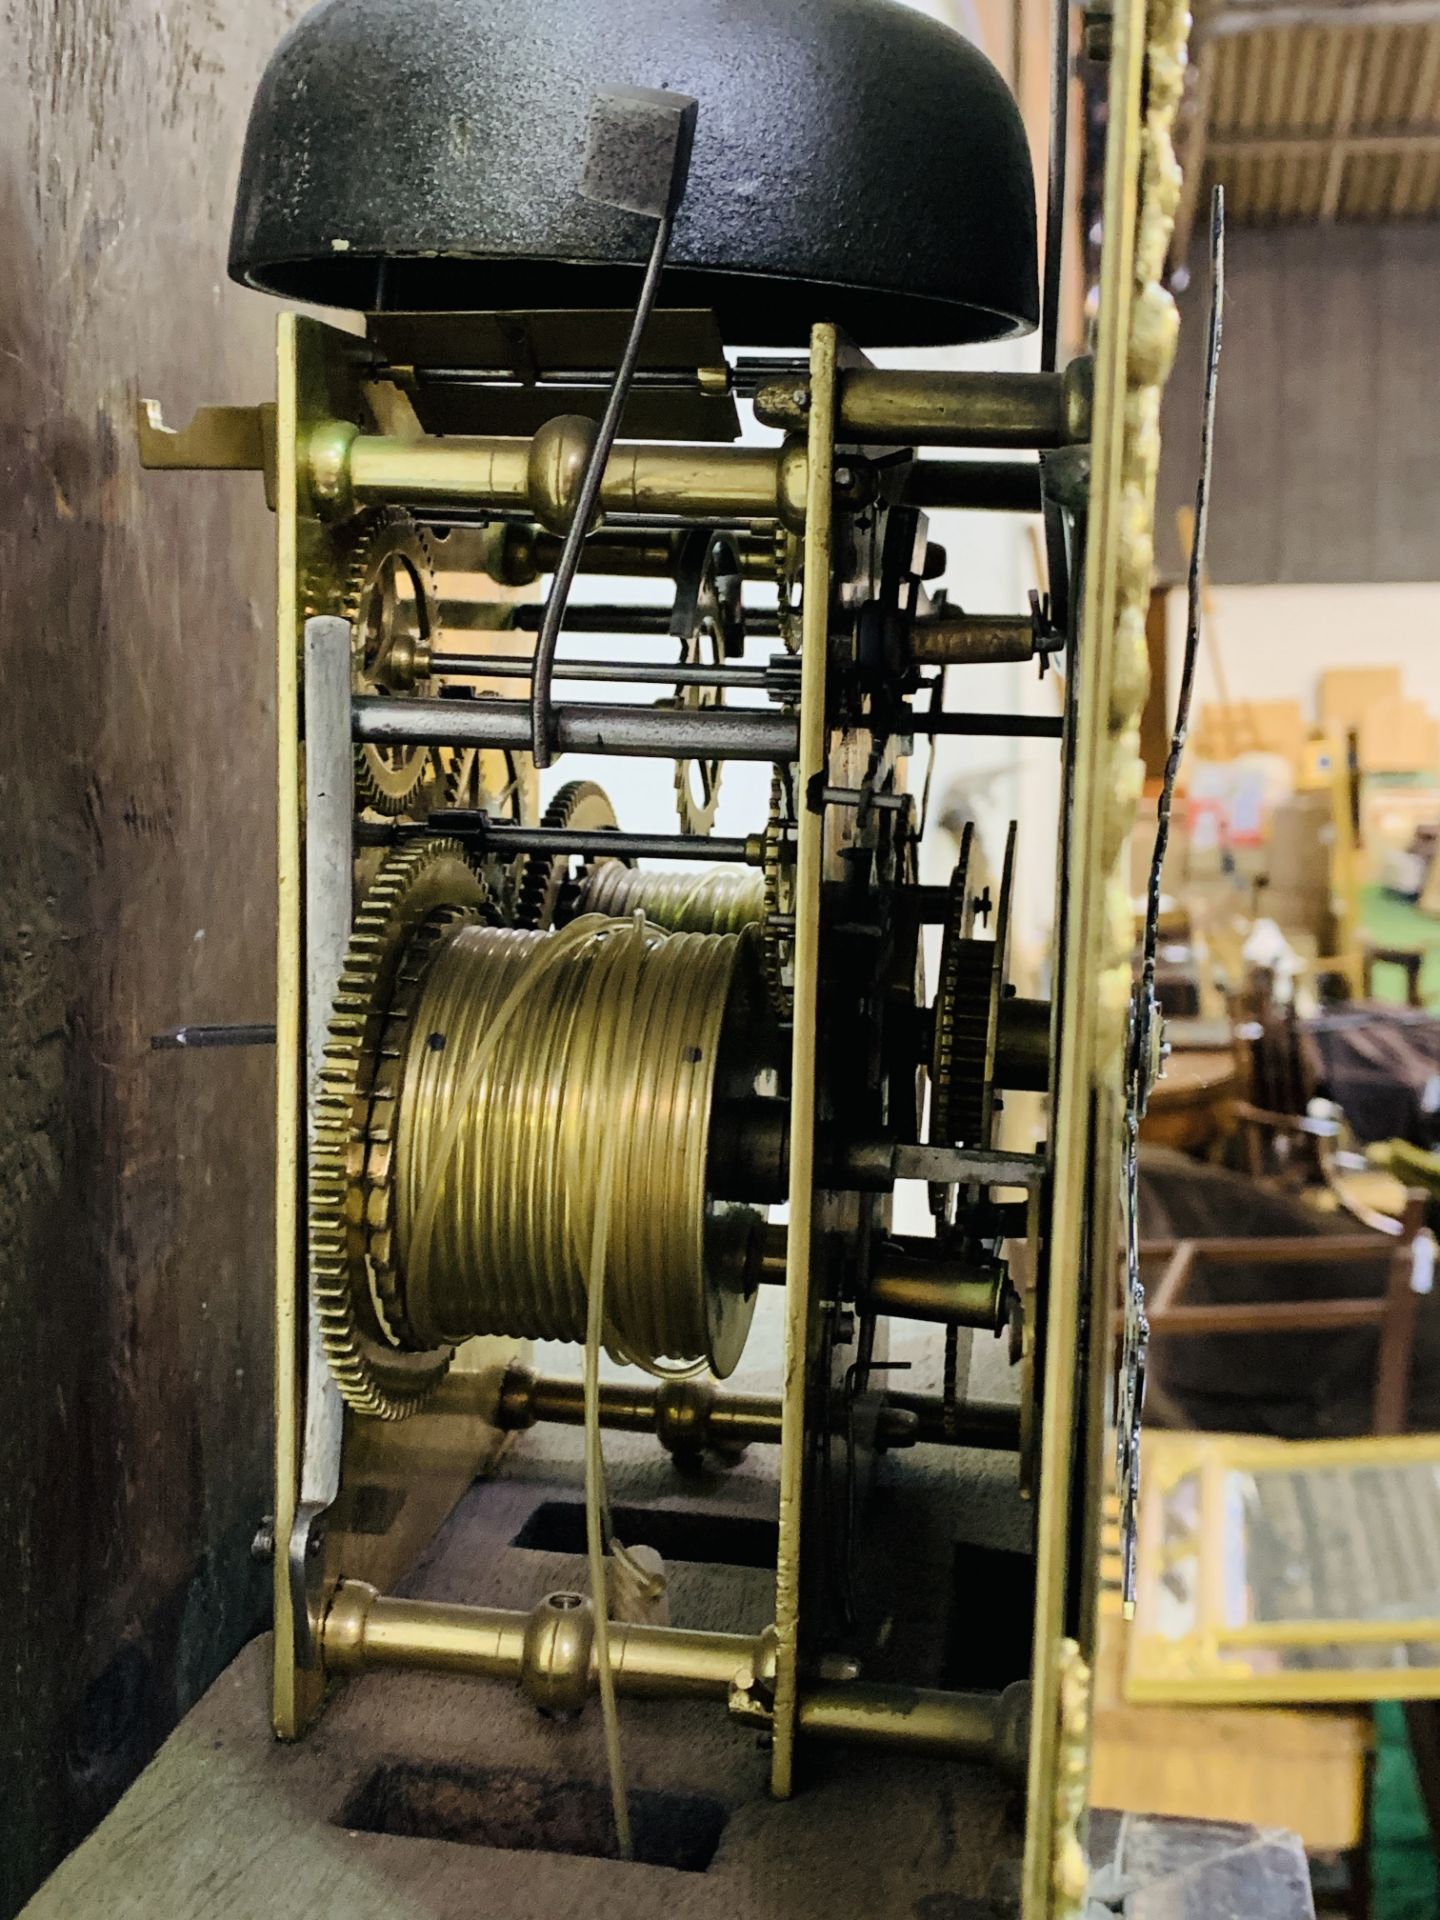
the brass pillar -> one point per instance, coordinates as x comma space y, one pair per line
686, 1416
911, 1280
927, 409
550, 1651
540, 477
550, 1654
1022, 1060
972, 639
993, 1728
952, 1295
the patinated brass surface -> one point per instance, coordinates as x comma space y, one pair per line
1135, 345
396, 1485
805, 1001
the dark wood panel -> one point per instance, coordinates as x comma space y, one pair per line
1328, 437
137, 799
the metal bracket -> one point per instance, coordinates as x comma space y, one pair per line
218, 439
304, 1560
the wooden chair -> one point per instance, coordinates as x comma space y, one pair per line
1410, 959
1278, 1076
1394, 1313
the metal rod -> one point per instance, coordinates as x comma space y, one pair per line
516, 554
991, 1426
932, 409
652, 622
688, 1414
642, 553
944, 1294
947, 1726
990, 486
994, 726
498, 837
255, 1033
1055, 207
534, 477
500, 666
913, 1279
964, 1166
684, 1415
647, 732
598, 458
969, 639
550, 1654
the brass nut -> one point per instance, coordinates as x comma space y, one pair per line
792, 480
1012, 1731
327, 468
510, 558
682, 1415
559, 455
1079, 392
342, 1637
555, 1663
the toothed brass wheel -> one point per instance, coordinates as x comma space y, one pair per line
420, 893
580, 804
697, 782
966, 1034
777, 922
392, 603
968, 998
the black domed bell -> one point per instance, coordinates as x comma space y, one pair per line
854, 161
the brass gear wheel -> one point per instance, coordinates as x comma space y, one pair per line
419, 893
777, 925
968, 998
582, 804
392, 603
696, 810
789, 554
455, 767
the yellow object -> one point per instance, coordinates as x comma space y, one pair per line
1213, 1632
1347, 694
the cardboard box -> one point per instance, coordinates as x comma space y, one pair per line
1302, 839
1252, 726
1398, 736
1348, 693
